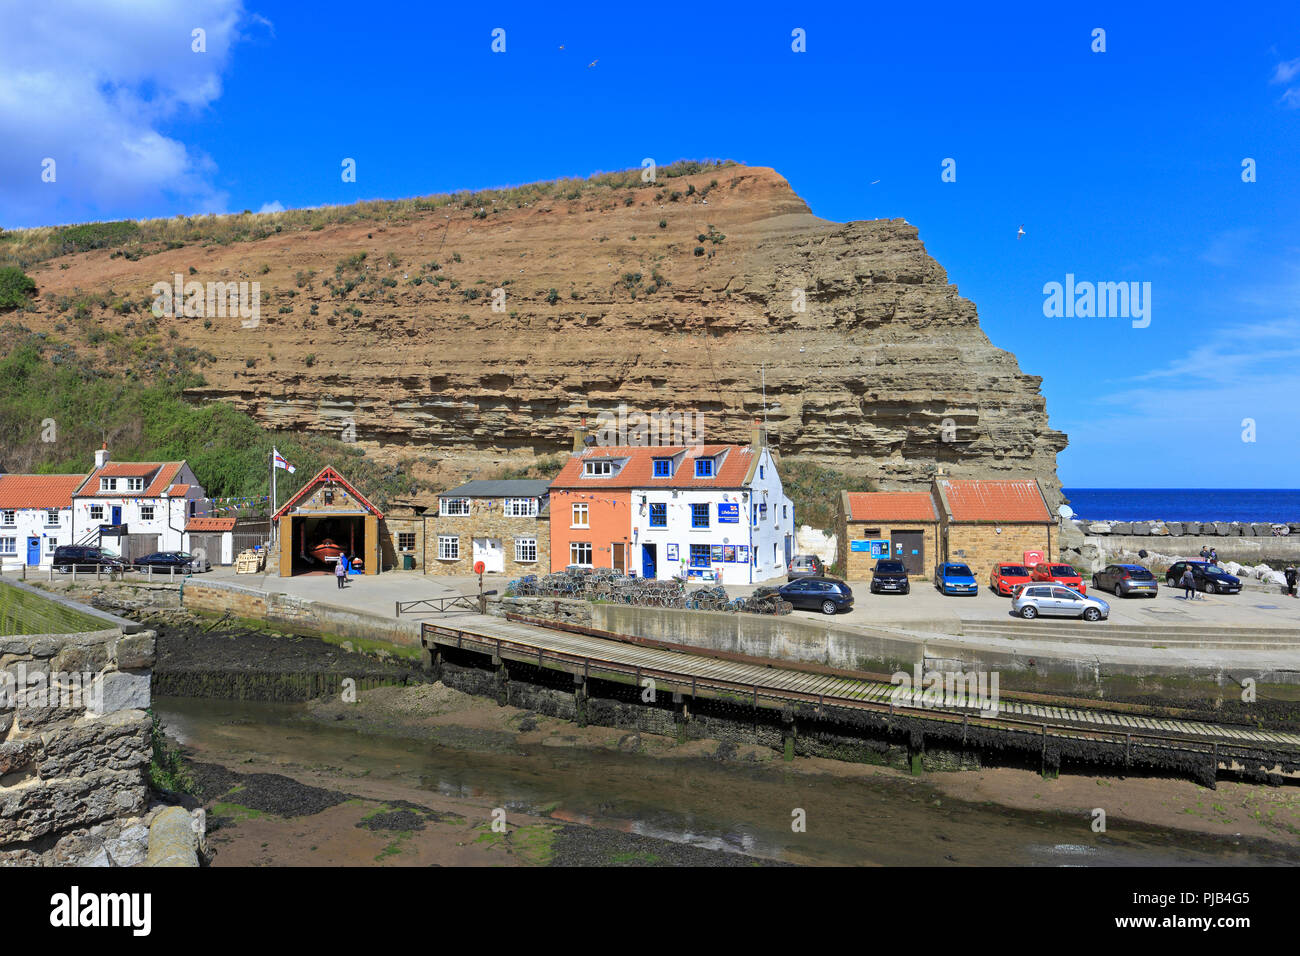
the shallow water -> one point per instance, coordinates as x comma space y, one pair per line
730, 806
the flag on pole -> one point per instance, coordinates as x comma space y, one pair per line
281, 463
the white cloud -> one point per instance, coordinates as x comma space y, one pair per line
1283, 74
273, 206
92, 87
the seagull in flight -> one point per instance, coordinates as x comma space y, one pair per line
592, 63
1020, 234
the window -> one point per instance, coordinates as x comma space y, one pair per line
135, 484
762, 470
406, 541
580, 553
96, 512
328, 496
663, 467
521, 507
525, 550
454, 507
755, 516
146, 512
9, 518
51, 517
8, 545
598, 469
699, 516
51, 544
580, 516
703, 467
659, 515
785, 512
108, 484
448, 547
700, 555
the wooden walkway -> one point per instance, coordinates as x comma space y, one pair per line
696, 674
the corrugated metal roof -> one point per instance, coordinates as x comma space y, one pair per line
994, 500
891, 506
500, 488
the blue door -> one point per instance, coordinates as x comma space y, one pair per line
648, 561
33, 552
117, 515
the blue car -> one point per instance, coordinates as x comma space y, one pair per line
954, 578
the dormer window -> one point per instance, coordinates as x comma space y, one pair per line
663, 467
108, 484
135, 484
703, 467
598, 469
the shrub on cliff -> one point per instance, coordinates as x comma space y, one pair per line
16, 288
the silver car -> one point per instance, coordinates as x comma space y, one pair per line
1055, 600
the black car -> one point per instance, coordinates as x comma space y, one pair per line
1208, 577
180, 560
1125, 580
818, 594
890, 576
84, 557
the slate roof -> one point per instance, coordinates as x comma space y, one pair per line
493, 488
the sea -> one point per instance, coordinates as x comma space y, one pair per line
1185, 504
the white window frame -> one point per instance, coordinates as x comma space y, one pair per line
51, 517
600, 468
9, 518
146, 512
51, 544
575, 552
586, 515
96, 517
135, 484
525, 550
453, 507
448, 547
8, 545
108, 484
521, 507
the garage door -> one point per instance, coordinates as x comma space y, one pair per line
138, 545
490, 552
207, 545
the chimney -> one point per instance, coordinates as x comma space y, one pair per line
580, 437
101, 456
758, 435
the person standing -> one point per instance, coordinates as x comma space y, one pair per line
1188, 583
341, 571
1214, 556
1205, 553
1291, 577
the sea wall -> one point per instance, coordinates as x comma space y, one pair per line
74, 747
1244, 550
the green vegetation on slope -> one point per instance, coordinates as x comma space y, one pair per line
815, 491
48, 390
25, 247
16, 288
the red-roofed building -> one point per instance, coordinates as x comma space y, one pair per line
327, 518
903, 525
987, 521
35, 517
211, 538
711, 512
136, 507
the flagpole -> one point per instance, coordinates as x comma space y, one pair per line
270, 515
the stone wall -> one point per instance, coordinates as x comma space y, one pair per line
981, 545
74, 748
487, 519
544, 608
859, 564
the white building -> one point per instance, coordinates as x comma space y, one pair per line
740, 531
136, 508
35, 517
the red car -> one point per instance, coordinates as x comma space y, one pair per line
1060, 574
1007, 577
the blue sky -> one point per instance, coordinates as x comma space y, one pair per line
1122, 166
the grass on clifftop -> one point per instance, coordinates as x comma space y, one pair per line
136, 238
57, 405
815, 491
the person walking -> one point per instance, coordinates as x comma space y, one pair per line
341, 571
1188, 583
1291, 577
1214, 557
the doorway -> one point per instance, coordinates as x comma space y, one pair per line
618, 557
490, 552
33, 552
117, 515
648, 563
909, 547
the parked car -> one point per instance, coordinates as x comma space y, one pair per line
1055, 600
890, 576
1125, 580
1208, 577
818, 594
1005, 578
180, 560
84, 557
805, 566
953, 578
1059, 574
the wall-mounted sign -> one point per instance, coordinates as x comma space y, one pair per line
729, 513
672, 552
742, 554
729, 553
877, 548
717, 553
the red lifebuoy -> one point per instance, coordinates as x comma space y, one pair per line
479, 567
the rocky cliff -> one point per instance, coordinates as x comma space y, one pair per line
685, 294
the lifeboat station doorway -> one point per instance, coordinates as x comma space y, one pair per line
327, 518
